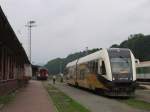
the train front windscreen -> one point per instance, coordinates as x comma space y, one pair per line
121, 64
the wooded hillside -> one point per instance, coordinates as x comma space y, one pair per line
57, 65
138, 43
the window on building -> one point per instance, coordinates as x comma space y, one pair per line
5, 65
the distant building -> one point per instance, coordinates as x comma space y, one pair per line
15, 67
143, 70
143, 64
35, 69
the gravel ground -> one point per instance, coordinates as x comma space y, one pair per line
143, 95
94, 102
33, 98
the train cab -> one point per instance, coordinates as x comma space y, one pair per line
42, 74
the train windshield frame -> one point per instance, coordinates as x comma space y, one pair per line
121, 64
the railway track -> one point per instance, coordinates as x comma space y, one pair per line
143, 83
95, 102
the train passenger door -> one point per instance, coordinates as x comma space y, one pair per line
102, 68
101, 73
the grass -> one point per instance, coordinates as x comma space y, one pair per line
63, 102
137, 104
7, 98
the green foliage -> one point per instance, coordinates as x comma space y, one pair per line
7, 98
115, 46
137, 104
58, 65
54, 65
63, 102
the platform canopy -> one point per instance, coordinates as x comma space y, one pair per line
8, 38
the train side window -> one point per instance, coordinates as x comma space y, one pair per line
91, 66
82, 73
103, 69
96, 67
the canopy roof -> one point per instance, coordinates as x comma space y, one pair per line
8, 38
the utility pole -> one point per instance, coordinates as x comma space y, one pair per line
86, 50
30, 24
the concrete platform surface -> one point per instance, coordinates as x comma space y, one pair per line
32, 98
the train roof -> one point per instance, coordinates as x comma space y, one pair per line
72, 63
90, 57
85, 58
9, 38
93, 56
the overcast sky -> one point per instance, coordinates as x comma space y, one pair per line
68, 26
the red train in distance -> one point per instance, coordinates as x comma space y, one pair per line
42, 74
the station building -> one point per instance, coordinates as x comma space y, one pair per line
15, 67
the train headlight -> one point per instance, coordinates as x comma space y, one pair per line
113, 78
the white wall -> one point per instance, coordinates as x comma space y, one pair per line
28, 70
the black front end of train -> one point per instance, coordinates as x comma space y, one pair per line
121, 89
122, 83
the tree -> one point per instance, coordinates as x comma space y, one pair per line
115, 46
139, 45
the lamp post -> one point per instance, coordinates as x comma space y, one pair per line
30, 25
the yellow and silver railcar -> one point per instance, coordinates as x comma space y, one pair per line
111, 71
